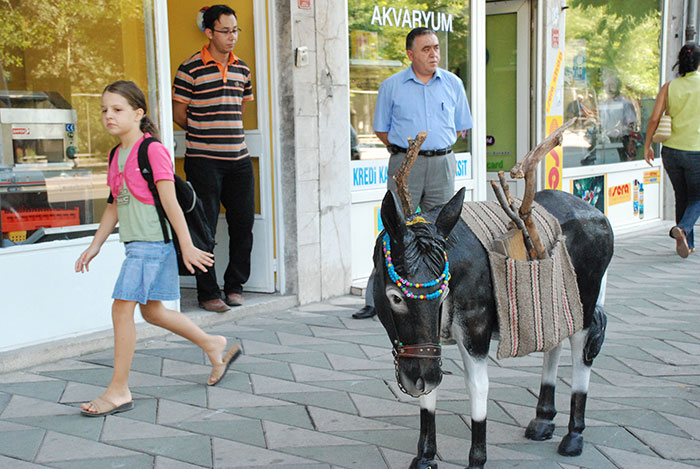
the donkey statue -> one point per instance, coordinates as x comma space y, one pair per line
415, 260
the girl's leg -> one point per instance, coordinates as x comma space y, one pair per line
157, 314
124, 343
692, 184
676, 174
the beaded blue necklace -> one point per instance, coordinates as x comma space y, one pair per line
404, 284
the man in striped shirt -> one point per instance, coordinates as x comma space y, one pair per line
209, 93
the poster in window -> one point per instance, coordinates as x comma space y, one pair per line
591, 190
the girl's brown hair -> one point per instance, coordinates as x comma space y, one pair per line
137, 100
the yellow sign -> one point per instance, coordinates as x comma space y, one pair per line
652, 177
619, 194
553, 83
553, 160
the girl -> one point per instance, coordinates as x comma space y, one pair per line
149, 274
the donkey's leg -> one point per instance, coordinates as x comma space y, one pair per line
572, 443
542, 426
478, 384
427, 446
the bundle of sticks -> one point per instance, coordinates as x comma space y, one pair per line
522, 223
523, 231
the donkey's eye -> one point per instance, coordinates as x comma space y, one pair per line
396, 300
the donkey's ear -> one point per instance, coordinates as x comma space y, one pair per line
392, 217
449, 214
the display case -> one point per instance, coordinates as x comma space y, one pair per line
40, 185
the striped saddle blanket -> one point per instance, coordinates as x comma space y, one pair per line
537, 302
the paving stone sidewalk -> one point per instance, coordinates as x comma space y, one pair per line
316, 389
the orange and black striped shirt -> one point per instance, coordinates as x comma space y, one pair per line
214, 95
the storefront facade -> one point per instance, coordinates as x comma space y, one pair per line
545, 62
54, 148
316, 68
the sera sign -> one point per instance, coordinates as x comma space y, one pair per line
619, 194
388, 17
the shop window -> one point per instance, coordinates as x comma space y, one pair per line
54, 64
611, 79
378, 50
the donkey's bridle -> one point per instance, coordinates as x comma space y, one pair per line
417, 351
432, 351
399, 350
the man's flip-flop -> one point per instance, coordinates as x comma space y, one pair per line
218, 371
104, 407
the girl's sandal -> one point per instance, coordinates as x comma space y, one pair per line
218, 371
104, 407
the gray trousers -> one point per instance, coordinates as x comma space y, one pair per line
431, 182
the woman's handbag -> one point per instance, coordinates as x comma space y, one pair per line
663, 130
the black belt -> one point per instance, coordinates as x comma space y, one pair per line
396, 149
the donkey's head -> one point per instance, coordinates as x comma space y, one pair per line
412, 275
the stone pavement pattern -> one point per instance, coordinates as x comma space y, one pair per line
316, 389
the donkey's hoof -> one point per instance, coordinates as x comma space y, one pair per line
539, 429
423, 463
477, 458
571, 444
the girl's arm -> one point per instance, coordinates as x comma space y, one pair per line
191, 256
107, 223
659, 108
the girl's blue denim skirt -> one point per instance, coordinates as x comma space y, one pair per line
149, 272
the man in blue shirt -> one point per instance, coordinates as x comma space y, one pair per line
422, 97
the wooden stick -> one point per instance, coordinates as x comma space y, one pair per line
534, 156
510, 211
526, 169
402, 174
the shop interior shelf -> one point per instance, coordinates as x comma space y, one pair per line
25, 220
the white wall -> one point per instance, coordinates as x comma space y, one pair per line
321, 121
43, 299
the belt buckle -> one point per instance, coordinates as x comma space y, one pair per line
430, 153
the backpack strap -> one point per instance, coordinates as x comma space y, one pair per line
147, 174
112, 152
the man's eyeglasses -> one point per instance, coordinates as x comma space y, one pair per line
227, 31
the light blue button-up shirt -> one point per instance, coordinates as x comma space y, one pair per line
406, 106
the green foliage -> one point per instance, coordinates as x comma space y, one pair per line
391, 40
622, 37
74, 47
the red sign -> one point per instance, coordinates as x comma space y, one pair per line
619, 194
20, 131
305, 4
555, 39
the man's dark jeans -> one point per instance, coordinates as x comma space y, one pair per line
232, 184
683, 168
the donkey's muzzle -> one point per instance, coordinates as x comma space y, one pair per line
414, 378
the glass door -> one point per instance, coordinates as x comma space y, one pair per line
507, 85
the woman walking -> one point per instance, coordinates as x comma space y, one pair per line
680, 98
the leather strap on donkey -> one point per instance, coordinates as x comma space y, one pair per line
419, 351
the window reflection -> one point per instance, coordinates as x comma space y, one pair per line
378, 50
54, 64
611, 79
